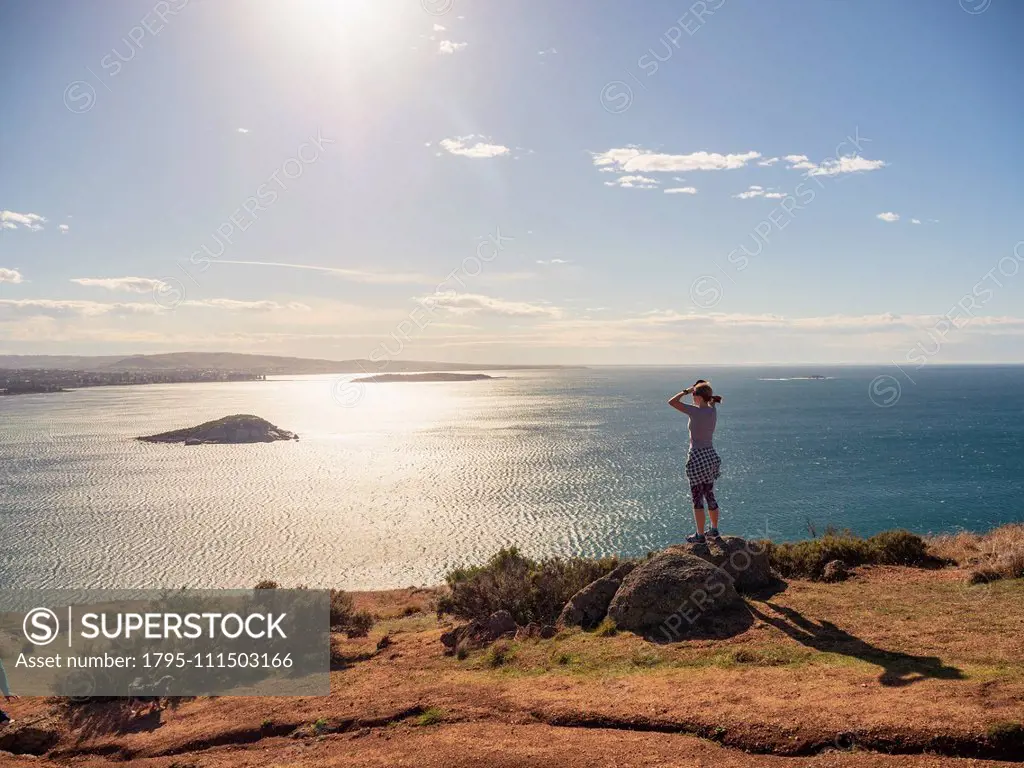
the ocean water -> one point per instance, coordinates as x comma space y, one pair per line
412, 479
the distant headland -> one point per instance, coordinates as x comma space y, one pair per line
33, 374
385, 378
240, 428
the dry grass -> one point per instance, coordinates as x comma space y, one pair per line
998, 554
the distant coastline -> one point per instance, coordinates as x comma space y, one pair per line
37, 374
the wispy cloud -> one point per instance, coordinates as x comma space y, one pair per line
756, 191
681, 191
639, 182
640, 160
10, 275
63, 307
888, 216
834, 165
439, 28
481, 149
915, 221
554, 261
355, 275
12, 220
243, 130
478, 303
60, 307
448, 47
124, 284
234, 305
63, 228
768, 162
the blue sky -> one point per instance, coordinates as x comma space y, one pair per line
721, 182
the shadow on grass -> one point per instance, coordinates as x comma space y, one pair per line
898, 669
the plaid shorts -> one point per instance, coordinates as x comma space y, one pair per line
703, 465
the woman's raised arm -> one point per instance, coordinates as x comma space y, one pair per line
676, 400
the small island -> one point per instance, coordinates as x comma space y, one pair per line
240, 428
385, 378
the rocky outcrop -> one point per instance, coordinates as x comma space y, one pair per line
745, 562
588, 607
835, 570
477, 634
535, 631
671, 591
240, 428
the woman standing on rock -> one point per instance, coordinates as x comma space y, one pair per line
702, 462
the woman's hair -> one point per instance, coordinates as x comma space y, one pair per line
703, 389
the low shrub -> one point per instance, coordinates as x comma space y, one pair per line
430, 716
345, 617
499, 654
807, 559
267, 584
530, 590
899, 548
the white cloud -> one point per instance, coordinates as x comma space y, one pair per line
768, 161
851, 164
63, 307
439, 28
888, 216
232, 305
472, 302
63, 228
639, 182
753, 191
243, 130
58, 307
10, 275
915, 221
833, 166
681, 191
549, 51
756, 191
481, 149
11, 220
124, 284
554, 261
448, 47
799, 162
643, 161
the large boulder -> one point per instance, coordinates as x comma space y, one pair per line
477, 634
589, 606
667, 594
835, 570
745, 562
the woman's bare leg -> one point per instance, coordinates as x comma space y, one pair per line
714, 517
698, 517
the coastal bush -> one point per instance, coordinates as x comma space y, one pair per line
530, 590
998, 554
345, 617
807, 559
267, 584
899, 548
